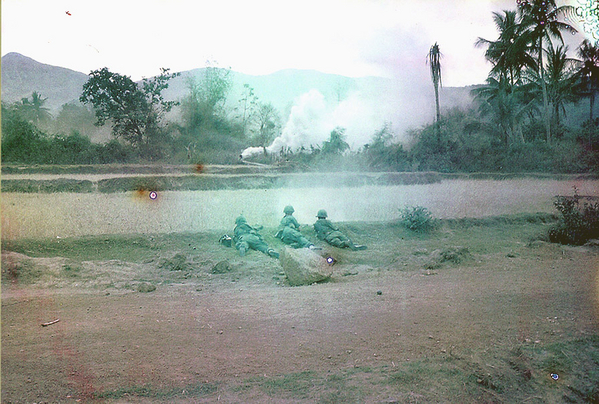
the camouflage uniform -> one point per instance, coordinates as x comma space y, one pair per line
325, 230
246, 237
289, 230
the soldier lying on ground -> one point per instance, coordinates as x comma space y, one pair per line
289, 231
325, 230
246, 237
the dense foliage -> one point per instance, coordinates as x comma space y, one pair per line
579, 220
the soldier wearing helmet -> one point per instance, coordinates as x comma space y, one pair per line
246, 237
325, 230
289, 230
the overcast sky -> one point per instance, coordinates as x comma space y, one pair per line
388, 38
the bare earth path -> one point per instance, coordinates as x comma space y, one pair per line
231, 330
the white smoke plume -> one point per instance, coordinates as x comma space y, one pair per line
312, 119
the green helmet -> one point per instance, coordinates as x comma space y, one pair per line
240, 220
288, 210
322, 213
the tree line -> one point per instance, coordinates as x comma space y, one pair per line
528, 116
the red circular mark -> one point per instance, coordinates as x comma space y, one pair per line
198, 168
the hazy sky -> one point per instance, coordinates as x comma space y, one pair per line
387, 38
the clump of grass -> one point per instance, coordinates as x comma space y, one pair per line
455, 255
417, 218
148, 391
146, 287
71, 271
296, 385
22, 271
177, 263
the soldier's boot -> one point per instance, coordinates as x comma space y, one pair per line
357, 247
272, 253
242, 250
337, 243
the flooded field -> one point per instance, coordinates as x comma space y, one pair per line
76, 214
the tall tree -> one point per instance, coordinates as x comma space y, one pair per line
136, 111
506, 106
589, 71
561, 81
510, 53
33, 110
269, 123
542, 18
247, 107
207, 94
434, 61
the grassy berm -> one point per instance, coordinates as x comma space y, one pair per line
476, 311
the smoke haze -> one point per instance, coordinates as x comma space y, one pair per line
362, 112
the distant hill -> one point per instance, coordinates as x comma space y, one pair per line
22, 75
362, 103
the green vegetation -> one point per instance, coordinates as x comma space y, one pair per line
197, 390
47, 186
579, 221
136, 112
177, 254
504, 374
417, 218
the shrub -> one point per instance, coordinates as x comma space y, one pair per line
579, 221
417, 218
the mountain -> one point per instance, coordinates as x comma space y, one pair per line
362, 105
22, 75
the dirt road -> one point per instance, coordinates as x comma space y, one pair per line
233, 328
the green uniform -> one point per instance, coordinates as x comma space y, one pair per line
325, 230
289, 233
246, 237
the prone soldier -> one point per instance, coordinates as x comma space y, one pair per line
289, 231
246, 237
325, 230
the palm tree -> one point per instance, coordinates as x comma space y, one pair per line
561, 80
589, 71
508, 107
542, 18
510, 53
434, 60
34, 110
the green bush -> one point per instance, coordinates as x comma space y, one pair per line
579, 220
417, 218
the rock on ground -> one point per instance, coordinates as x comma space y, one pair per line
222, 267
304, 266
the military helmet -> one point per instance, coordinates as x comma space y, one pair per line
322, 213
240, 220
288, 210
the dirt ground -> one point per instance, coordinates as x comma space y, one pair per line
229, 335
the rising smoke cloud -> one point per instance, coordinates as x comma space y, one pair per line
313, 117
